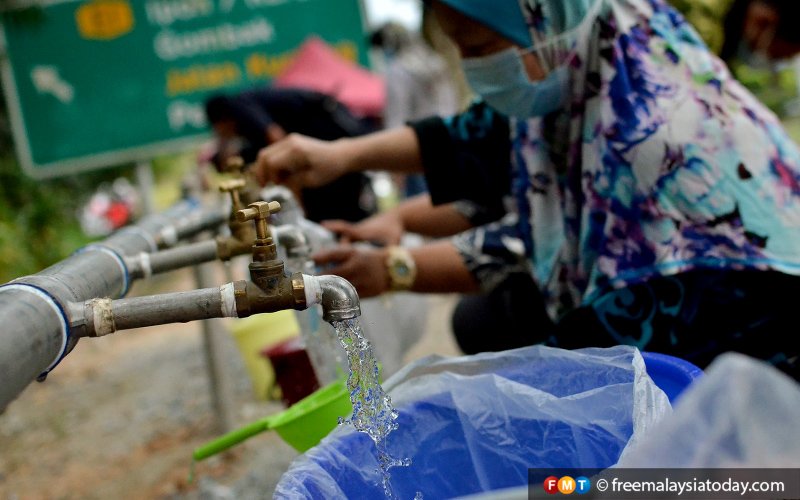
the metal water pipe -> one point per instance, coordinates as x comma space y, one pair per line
270, 289
35, 334
291, 211
223, 248
291, 237
238, 242
239, 299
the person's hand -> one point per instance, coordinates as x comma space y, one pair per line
385, 228
299, 160
364, 268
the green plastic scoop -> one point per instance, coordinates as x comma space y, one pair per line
302, 425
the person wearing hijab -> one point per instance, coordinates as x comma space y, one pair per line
654, 201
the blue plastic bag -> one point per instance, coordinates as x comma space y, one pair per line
478, 423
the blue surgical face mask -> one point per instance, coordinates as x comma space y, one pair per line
501, 80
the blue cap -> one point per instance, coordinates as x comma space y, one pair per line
503, 16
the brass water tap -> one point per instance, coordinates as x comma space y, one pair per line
266, 269
241, 237
270, 289
250, 192
264, 246
235, 165
234, 189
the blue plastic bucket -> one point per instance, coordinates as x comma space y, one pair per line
449, 460
672, 375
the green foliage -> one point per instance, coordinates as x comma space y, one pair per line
169, 174
39, 219
38, 223
707, 16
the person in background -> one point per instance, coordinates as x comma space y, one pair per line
418, 85
654, 201
761, 29
244, 123
750, 30
755, 38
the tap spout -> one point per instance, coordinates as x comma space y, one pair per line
292, 239
282, 195
338, 297
291, 212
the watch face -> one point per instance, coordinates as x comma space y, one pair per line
402, 269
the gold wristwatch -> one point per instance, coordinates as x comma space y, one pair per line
401, 267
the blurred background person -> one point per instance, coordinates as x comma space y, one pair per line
244, 123
761, 28
418, 85
757, 39
752, 31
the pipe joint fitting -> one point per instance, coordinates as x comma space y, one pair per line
337, 296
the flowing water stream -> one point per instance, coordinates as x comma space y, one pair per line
373, 412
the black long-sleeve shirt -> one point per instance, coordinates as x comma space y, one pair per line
466, 157
315, 115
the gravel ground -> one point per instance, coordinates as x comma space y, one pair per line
121, 415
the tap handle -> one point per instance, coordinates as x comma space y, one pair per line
259, 212
232, 185
234, 188
235, 165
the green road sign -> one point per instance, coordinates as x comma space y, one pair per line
96, 83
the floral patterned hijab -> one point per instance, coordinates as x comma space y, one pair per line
662, 162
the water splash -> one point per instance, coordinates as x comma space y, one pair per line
373, 412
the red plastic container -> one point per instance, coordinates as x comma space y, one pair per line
293, 371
